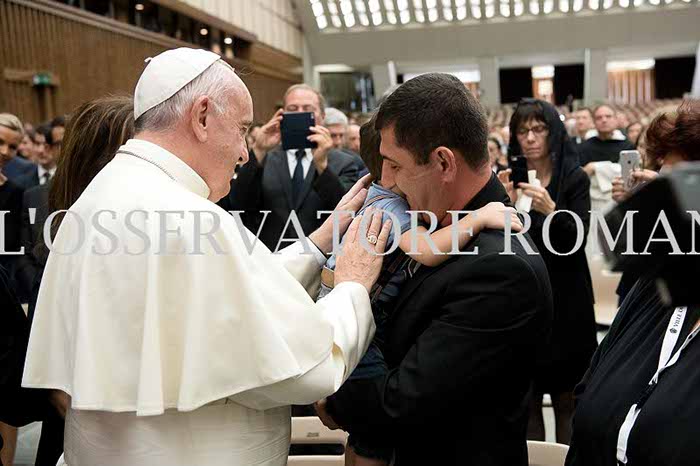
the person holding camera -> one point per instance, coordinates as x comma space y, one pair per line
538, 134
304, 180
637, 403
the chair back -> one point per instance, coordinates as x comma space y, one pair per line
546, 454
310, 430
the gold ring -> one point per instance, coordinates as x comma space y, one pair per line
372, 239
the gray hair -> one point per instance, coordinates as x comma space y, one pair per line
335, 117
214, 82
11, 122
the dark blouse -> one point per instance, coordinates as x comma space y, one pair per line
666, 431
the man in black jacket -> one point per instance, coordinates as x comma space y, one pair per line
29, 264
47, 159
302, 181
463, 337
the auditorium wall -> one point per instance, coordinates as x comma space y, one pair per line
54, 57
273, 21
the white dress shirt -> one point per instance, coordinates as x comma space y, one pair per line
41, 171
305, 161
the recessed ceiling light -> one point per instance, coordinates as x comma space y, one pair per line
204, 31
228, 41
139, 7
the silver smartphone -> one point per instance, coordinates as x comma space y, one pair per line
630, 160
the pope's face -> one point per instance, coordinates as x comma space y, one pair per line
229, 131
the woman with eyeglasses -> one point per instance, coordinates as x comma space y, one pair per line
538, 134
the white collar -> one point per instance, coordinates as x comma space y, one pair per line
41, 170
617, 135
292, 153
171, 164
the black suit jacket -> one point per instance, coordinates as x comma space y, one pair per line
359, 163
269, 187
18, 406
17, 167
32, 234
461, 346
30, 179
11, 201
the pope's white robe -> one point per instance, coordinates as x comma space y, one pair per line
177, 349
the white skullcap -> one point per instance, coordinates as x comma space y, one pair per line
167, 73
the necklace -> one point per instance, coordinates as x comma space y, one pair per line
152, 162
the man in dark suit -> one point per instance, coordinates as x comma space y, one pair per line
46, 159
29, 264
337, 123
303, 181
462, 339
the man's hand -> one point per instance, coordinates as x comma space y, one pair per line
326, 418
351, 202
357, 264
322, 137
59, 400
541, 200
269, 137
589, 168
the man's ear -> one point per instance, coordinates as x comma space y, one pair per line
200, 114
446, 159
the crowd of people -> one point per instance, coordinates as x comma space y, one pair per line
129, 351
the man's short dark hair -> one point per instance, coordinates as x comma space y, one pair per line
57, 122
608, 106
433, 110
586, 109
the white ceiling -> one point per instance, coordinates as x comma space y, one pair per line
525, 41
360, 15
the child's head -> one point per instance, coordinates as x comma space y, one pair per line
370, 141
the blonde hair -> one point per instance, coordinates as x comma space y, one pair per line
10, 121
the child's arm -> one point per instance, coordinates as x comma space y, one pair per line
492, 215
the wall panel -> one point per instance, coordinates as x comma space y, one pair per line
273, 21
91, 56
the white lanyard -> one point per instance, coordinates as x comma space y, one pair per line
666, 360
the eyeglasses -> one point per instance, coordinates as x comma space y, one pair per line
537, 129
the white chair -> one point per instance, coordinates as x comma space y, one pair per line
310, 430
604, 289
546, 454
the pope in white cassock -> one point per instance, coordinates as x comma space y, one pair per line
176, 344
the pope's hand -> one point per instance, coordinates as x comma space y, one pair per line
360, 260
343, 214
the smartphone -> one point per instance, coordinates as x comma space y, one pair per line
630, 160
518, 166
295, 129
